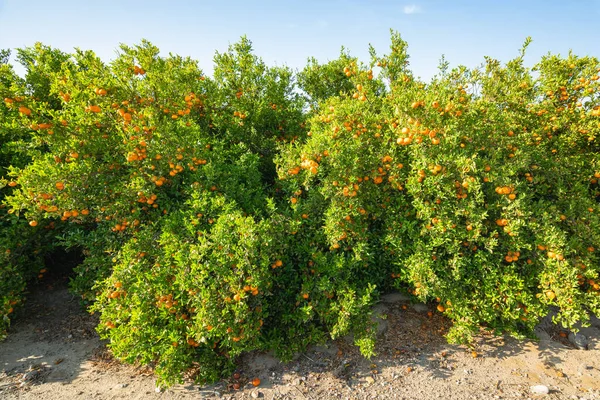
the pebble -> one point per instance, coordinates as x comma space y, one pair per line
580, 341
370, 380
539, 389
122, 385
158, 389
256, 394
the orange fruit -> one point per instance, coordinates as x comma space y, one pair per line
60, 185
24, 110
94, 109
256, 382
33, 223
501, 222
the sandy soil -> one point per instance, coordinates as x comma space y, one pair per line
53, 353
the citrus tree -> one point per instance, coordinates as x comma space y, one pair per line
477, 190
23, 244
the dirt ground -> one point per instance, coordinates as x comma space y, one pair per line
53, 352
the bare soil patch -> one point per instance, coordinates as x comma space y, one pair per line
53, 352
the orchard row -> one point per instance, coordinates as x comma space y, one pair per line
260, 208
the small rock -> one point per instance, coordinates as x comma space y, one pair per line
578, 340
420, 307
370, 380
394, 297
122, 385
382, 326
256, 394
595, 321
539, 389
158, 389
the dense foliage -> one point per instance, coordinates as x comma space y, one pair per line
262, 209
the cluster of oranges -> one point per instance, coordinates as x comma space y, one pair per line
138, 153
138, 70
310, 165
166, 301
508, 191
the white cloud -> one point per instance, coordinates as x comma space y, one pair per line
412, 9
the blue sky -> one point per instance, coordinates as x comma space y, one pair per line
289, 31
